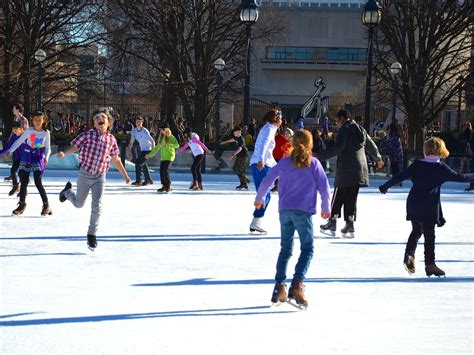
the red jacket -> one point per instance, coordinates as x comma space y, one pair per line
282, 148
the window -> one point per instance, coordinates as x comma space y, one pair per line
317, 54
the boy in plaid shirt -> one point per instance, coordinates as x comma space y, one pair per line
97, 147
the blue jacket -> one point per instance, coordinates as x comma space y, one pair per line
423, 202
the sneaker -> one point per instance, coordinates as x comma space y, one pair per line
20, 209
409, 262
91, 241
296, 293
432, 269
279, 294
14, 190
147, 182
46, 210
62, 194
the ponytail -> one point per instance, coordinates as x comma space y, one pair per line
302, 149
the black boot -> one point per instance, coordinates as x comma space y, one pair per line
91, 241
20, 209
432, 269
46, 210
330, 227
348, 230
14, 190
62, 194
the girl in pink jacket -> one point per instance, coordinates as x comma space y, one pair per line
197, 149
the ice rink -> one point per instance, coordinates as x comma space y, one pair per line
180, 274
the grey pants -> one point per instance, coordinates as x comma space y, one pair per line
94, 183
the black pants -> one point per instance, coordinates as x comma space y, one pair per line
13, 170
25, 179
140, 166
394, 168
196, 167
165, 173
428, 230
347, 197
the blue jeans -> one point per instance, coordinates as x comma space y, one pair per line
291, 220
258, 176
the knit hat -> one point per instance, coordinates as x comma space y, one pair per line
164, 125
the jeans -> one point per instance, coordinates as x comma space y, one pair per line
85, 183
301, 221
258, 176
140, 166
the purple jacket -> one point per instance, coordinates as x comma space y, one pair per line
17, 153
297, 187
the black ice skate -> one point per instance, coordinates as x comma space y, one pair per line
8, 178
241, 187
330, 227
62, 194
14, 190
409, 262
432, 269
256, 226
279, 294
20, 209
91, 241
296, 296
348, 230
46, 210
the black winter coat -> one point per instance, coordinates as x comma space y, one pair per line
423, 201
352, 142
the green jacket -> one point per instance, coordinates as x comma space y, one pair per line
167, 150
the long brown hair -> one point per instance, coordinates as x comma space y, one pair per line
271, 116
302, 148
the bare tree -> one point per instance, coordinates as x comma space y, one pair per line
432, 41
64, 29
185, 38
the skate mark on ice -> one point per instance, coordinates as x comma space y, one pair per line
243, 311
18, 315
43, 254
401, 243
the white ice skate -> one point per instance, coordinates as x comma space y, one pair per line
255, 226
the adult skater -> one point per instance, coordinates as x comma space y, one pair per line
167, 145
262, 161
301, 177
35, 151
423, 202
352, 142
197, 149
97, 148
17, 131
241, 156
146, 142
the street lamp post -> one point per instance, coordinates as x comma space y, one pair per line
248, 16
40, 55
165, 93
461, 78
395, 69
219, 64
371, 17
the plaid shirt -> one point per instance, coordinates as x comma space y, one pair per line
96, 150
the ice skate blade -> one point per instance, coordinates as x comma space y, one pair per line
438, 276
91, 248
328, 232
349, 235
410, 272
257, 232
293, 303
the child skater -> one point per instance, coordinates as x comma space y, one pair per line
167, 144
34, 158
301, 176
241, 155
197, 149
97, 148
423, 202
17, 131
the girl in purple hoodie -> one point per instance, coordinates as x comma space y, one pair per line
301, 177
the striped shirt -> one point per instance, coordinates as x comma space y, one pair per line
95, 150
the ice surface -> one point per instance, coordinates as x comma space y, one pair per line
179, 274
